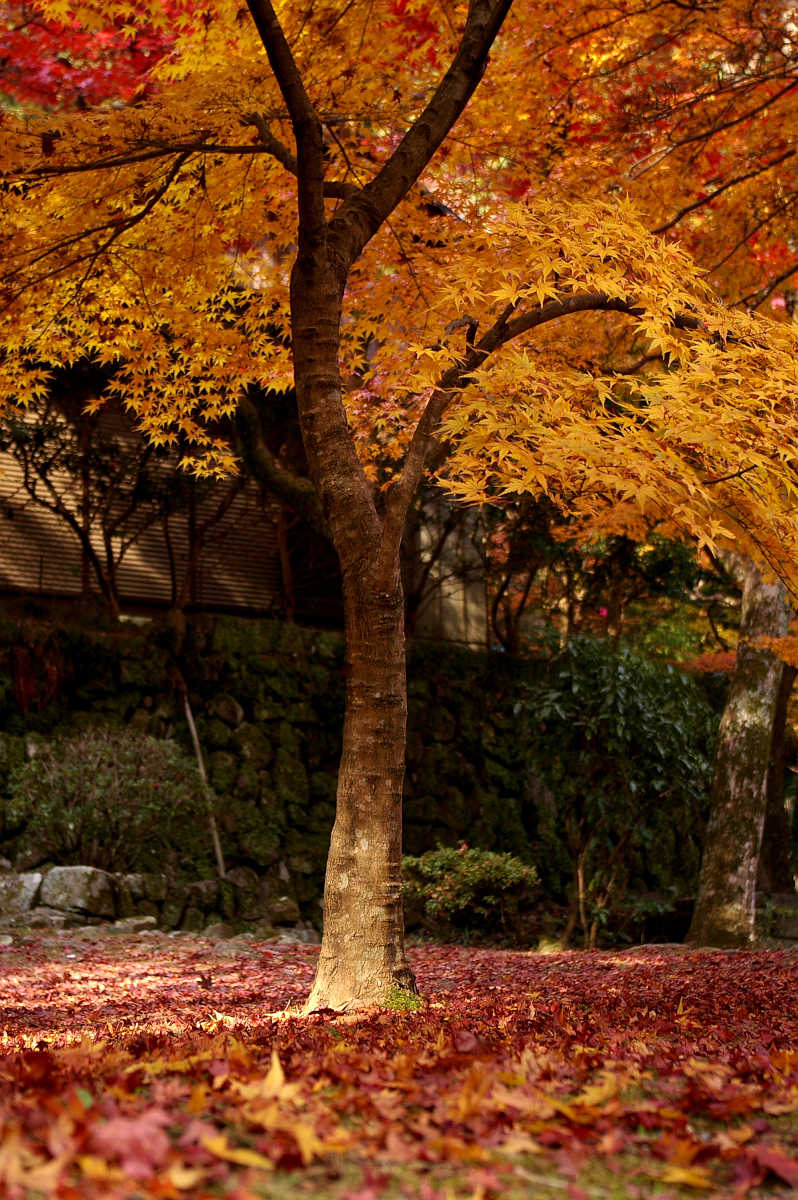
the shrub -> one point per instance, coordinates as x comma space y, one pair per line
624, 743
110, 798
449, 890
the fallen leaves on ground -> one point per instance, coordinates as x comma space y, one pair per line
167, 1067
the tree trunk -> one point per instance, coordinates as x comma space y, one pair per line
725, 907
362, 955
775, 867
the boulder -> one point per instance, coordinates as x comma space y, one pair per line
81, 889
52, 918
786, 927
283, 910
298, 936
203, 894
18, 892
134, 924
174, 906
218, 931
141, 886
193, 920
249, 897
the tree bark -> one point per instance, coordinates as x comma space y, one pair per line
362, 955
726, 904
775, 868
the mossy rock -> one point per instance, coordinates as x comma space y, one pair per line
284, 684
253, 745
214, 734
290, 741
257, 834
193, 920
248, 783
330, 646
292, 640
222, 770
301, 714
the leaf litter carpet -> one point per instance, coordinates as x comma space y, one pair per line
143, 1066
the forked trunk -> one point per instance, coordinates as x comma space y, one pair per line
362, 955
726, 903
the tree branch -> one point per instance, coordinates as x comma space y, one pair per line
305, 121
337, 190
295, 490
359, 218
505, 329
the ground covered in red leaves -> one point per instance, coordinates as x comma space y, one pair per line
156, 1066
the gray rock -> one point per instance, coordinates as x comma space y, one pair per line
18, 892
297, 936
218, 931
283, 910
786, 927
134, 924
203, 894
250, 901
174, 907
301, 864
193, 920
144, 887
82, 889
6, 939
52, 918
6, 865
263, 931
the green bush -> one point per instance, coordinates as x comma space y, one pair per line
450, 890
624, 745
111, 798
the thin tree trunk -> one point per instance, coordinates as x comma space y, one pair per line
775, 868
362, 955
726, 904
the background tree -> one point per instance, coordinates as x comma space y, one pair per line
397, 340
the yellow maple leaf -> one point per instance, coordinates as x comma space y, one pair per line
221, 1148
697, 1177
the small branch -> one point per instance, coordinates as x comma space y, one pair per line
730, 183
337, 190
217, 845
295, 490
305, 120
358, 219
504, 330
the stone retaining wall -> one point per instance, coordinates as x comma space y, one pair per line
64, 897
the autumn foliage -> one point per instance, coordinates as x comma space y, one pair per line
154, 1067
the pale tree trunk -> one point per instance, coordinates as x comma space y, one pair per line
362, 955
775, 868
726, 904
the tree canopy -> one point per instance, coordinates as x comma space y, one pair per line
160, 233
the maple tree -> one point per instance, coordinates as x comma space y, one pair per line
379, 267
62, 64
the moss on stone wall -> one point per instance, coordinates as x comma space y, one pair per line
268, 699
